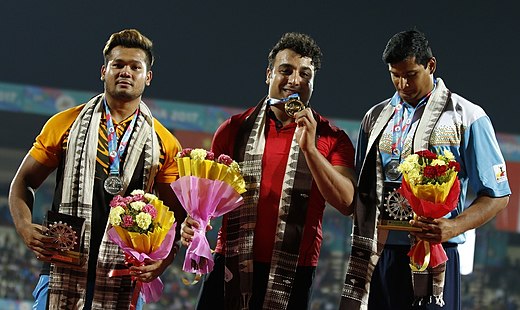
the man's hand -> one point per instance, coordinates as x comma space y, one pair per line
150, 270
41, 245
433, 230
188, 228
306, 130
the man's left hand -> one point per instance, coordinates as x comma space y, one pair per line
306, 130
149, 271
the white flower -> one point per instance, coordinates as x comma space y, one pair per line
198, 154
137, 205
406, 166
415, 177
137, 192
449, 155
438, 162
150, 197
115, 215
143, 220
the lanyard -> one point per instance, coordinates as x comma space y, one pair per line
114, 152
403, 122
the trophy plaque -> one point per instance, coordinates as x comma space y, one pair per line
68, 232
395, 213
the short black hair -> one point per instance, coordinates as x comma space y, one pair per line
130, 38
405, 44
300, 43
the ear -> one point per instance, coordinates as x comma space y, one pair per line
103, 70
148, 80
268, 73
432, 65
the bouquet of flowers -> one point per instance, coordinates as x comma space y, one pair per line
208, 187
431, 186
143, 227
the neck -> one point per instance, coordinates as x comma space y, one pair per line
414, 104
280, 114
121, 110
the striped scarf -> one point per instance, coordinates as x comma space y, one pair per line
67, 286
249, 150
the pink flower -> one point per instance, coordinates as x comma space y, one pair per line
186, 152
118, 201
210, 155
138, 197
225, 159
150, 210
128, 221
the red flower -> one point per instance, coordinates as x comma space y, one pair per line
455, 165
427, 154
430, 172
441, 170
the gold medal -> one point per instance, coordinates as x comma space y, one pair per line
293, 106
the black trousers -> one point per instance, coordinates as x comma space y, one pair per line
211, 295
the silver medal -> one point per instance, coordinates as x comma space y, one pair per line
391, 170
113, 184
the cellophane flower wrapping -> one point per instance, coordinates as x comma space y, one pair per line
143, 227
431, 186
207, 188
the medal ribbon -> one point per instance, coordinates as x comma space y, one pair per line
273, 101
115, 152
403, 122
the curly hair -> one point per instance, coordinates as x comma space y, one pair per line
411, 43
300, 43
130, 38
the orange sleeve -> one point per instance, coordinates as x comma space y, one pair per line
48, 147
170, 146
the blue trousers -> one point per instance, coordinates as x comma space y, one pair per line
391, 286
41, 293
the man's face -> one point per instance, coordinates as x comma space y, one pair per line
125, 73
411, 80
291, 73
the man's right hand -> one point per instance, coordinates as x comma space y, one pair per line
36, 240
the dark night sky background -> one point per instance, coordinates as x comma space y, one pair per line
215, 52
